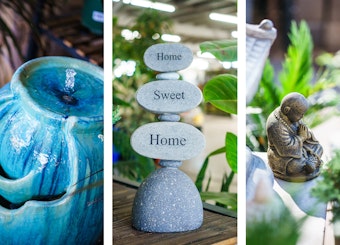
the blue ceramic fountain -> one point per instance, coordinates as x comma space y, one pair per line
51, 153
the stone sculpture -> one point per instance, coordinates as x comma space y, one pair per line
294, 154
259, 40
167, 200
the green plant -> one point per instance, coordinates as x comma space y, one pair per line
221, 92
283, 229
148, 27
115, 115
327, 188
296, 76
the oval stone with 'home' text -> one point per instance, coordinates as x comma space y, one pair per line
168, 57
168, 141
169, 96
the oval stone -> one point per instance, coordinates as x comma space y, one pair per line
168, 141
168, 96
168, 57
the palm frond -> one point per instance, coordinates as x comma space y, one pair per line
297, 70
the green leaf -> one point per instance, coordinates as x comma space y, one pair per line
208, 184
267, 96
201, 174
280, 229
327, 187
231, 150
223, 50
118, 101
225, 198
297, 69
227, 181
221, 91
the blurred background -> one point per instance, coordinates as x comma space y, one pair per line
321, 16
304, 58
37, 28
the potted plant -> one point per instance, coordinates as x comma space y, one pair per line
221, 92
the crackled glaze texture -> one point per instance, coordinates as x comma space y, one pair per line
51, 140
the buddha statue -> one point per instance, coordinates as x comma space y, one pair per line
294, 154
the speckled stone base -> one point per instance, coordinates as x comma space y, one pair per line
167, 201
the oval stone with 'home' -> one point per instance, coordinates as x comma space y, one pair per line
168, 141
168, 57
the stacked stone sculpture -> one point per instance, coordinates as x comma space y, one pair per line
168, 200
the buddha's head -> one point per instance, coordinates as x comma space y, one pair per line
294, 106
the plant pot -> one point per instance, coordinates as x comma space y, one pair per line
51, 139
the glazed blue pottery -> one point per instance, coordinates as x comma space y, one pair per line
51, 153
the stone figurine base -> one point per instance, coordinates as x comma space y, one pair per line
167, 201
298, 178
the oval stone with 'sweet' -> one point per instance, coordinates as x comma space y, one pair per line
168, 57
169, 96
168, 141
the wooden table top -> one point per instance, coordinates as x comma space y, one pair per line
217, 228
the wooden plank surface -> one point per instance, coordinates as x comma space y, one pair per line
216, 228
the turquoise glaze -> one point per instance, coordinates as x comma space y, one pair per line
51, 153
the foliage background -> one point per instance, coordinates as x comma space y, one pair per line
129, 164
297, 75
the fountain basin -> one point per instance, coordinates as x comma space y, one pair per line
51, 161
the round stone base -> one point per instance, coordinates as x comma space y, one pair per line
167, 201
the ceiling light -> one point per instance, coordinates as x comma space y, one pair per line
154, 5
163, 7
171, 38
224, 18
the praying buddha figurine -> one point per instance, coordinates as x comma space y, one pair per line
293, 152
